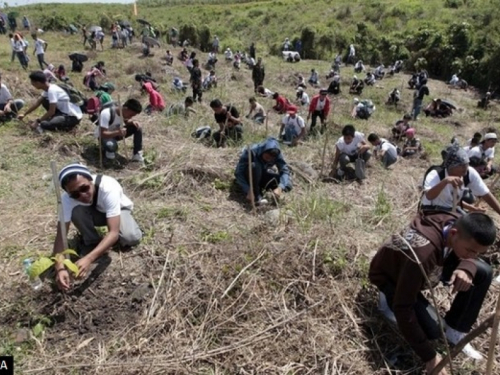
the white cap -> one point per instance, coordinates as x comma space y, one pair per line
490, 136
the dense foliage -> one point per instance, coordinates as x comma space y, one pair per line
446, 37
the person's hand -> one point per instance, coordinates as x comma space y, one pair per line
477, 209
430, 365
123, 132
461, 281
7, 109
454, 181
277, 192
249, 196
83, 266
20, 117
62, 279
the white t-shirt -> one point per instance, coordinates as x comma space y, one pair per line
19, 45
478, 152
445, 198
320, 105
110, 200
259, 110
388, 147
297, 123
5, 94
351, 148
305, 99
104, 118
58, 96
39, 44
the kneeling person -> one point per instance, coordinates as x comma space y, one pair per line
265, 155
91, 201
61, 113
228, 118
293, 128
385, 151
109, 131
448, 246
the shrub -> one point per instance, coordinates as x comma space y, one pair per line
205, 38
189, 32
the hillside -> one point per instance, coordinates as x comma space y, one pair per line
213, 288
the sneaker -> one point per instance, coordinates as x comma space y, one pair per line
454, 337
384, 308
110, 155
138, 157
262, 202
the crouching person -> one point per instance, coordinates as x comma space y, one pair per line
448, 246
91, 201
109, 131
265, 155
384, 150
61, 115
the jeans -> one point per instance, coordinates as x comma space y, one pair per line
86, 218
235, 133
41, 60
21, 56
264, 180
61, 122
111, 144
417, 106
290, 133
259, 119
345, 159
388, 160
464, 308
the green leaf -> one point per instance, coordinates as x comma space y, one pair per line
70, 251
38, 329
71, 266
40, 266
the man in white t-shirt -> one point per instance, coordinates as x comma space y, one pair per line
481, 157
91, 201
348, 149
455, 173
110, 132
8, 106
293, 128
302, 97
257, 112
61, 114
40, 48
384, 150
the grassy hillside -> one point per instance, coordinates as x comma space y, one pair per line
213, 288
448, 36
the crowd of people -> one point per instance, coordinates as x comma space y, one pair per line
448, 234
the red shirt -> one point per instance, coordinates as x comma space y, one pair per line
314, 103
155, 99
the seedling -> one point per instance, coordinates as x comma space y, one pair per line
43, 264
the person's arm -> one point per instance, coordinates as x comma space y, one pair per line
106, 133
35, 105
364, 147
434, 192
45, 46
312, 105
106, 243
284, 173
353, 113
50, 112
492, 202
233, 119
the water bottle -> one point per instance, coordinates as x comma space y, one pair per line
36, 283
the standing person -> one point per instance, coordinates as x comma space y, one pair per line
91, 201
85, 35
196, 80
26, 23
40, 48
109, 131
265, 156
447, 247
12, 47
319, 107
252, 51
215, 44
19, 47
418, 98
384, 151
350, 147
228, 119
258, 74
293, 128
298, 46
60, 113
9, 107
352, 54
174, 37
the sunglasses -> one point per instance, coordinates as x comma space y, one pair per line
81, 190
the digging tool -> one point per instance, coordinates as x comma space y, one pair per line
250, 177
60, 212
122, 126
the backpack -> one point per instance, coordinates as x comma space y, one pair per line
75, 95
93, 105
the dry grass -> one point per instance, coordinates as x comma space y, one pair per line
213, 289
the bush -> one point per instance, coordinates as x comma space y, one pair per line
307, 37
191, 33
54, 23
205, 38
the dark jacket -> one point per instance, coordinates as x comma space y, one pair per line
258, 73
241, 172
391, 265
